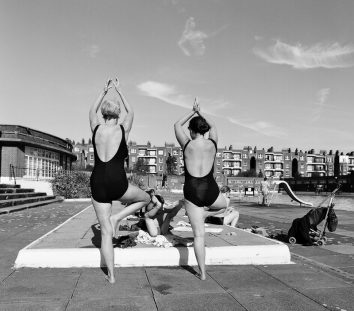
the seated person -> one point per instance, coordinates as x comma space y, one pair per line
227, 217
158, 216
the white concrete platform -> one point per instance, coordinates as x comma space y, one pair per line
72, 244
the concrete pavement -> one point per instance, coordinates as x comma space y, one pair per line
305, 285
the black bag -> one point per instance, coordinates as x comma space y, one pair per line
332, 220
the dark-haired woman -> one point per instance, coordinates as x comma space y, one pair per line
108, 180
200, 188
158, 215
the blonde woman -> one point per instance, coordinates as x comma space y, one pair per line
108, 180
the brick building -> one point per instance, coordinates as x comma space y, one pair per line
32, 153
231, 162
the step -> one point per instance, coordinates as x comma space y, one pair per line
14, 202
74, 244
15, 190
11, 196
9, 186
21, 207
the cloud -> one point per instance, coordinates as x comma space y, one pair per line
301, 57
322, 96
321, 99
165, 92
261, 127
92, 50
168, 94
192, 41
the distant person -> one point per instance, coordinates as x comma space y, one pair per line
231, 215
265, 190
200, 188
109, 180
158, 216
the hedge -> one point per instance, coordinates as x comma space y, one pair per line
72, 185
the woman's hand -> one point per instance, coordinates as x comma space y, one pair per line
196, 107
107, 86
116, 84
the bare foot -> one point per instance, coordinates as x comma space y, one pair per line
201, 276
110, 279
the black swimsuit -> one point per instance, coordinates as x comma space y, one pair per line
109, 180
201, 191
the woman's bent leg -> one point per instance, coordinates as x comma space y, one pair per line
196, 218
151, 226
136, 198
232, 218
103, 212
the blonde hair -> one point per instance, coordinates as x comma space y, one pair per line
110, 109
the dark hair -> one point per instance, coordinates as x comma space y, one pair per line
225, 189
199, 125
160, 199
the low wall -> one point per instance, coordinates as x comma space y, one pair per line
38, 186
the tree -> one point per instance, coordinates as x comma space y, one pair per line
171, 164
141, 166
248, 173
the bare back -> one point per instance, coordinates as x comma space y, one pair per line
108, 139
199, 157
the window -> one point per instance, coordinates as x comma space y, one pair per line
217, 162
244, 156
133, 150
260, 156
301, 158
76, 149
218, 154
287, 157
40, 163
175, 152
133, 159
91, 149
160, 160
160, 168
91, 157
160, 152
152, 152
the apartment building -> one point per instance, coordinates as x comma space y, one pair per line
231, 162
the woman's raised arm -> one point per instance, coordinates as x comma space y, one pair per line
181, 136
128, 120
213, 134
93, 115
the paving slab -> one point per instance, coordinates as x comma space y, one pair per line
339, 299
37, 305
143, 303
33, 284
245, 279
165, 281
131, 283
75, 243
304, 277
200, 301
277, 301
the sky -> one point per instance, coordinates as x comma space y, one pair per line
268, 72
